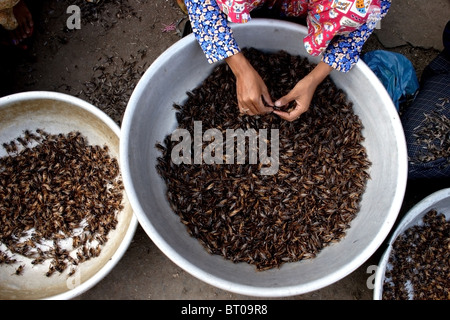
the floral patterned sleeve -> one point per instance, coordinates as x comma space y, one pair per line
210, 27
343, 51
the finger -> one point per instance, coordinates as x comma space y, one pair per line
292, 115
20, 33
27, 30
251, 107
30, 22
24, 31
288, 116
251, 111
263, 109
246, 109
258, 107
284, 100
16, 37
267, 98
243, 111
267, 110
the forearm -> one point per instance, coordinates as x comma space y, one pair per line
318, 74
210, 27
238, 64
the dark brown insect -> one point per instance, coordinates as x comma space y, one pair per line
51, 270
19, 270
71, 272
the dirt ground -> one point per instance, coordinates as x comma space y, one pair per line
117, 41
101, 63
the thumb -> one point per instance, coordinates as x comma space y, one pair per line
284, 100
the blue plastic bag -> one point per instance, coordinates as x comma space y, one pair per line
396, 73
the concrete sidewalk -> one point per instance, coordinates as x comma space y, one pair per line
418, 23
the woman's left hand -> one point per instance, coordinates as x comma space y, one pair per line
303, 92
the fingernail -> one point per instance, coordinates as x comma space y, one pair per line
277, 104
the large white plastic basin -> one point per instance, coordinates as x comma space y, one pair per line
149, 117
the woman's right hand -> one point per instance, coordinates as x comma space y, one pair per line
250, 87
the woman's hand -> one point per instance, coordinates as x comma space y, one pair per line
302, 93
250, 87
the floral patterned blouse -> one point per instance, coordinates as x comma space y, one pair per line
337, 29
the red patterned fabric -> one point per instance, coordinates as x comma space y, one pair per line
325, 18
